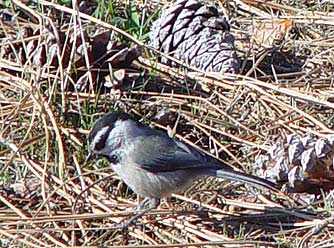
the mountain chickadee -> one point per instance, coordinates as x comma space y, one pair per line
151, 163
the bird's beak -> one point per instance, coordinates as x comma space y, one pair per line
89, 157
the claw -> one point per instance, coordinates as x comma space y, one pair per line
138, 213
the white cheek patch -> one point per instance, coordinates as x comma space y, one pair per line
98, 137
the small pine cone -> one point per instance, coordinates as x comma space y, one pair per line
301, 164
28, 188
196, 34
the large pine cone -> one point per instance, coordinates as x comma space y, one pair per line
196, 34
301, 164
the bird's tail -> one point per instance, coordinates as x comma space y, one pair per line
246, 178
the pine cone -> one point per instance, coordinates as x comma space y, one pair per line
27, 189
196, 34
300, 164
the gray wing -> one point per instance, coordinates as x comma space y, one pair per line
162, 154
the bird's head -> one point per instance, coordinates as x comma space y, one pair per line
107, 134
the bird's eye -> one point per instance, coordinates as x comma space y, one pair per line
112, 159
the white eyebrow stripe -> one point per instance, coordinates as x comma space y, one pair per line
98, 137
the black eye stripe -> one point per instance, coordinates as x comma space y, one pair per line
102, 127
98, 126
107, 120
100, 143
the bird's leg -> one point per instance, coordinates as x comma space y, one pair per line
138, 213
141, 204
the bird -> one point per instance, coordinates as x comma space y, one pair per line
153, 164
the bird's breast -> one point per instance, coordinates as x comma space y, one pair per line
154, 185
